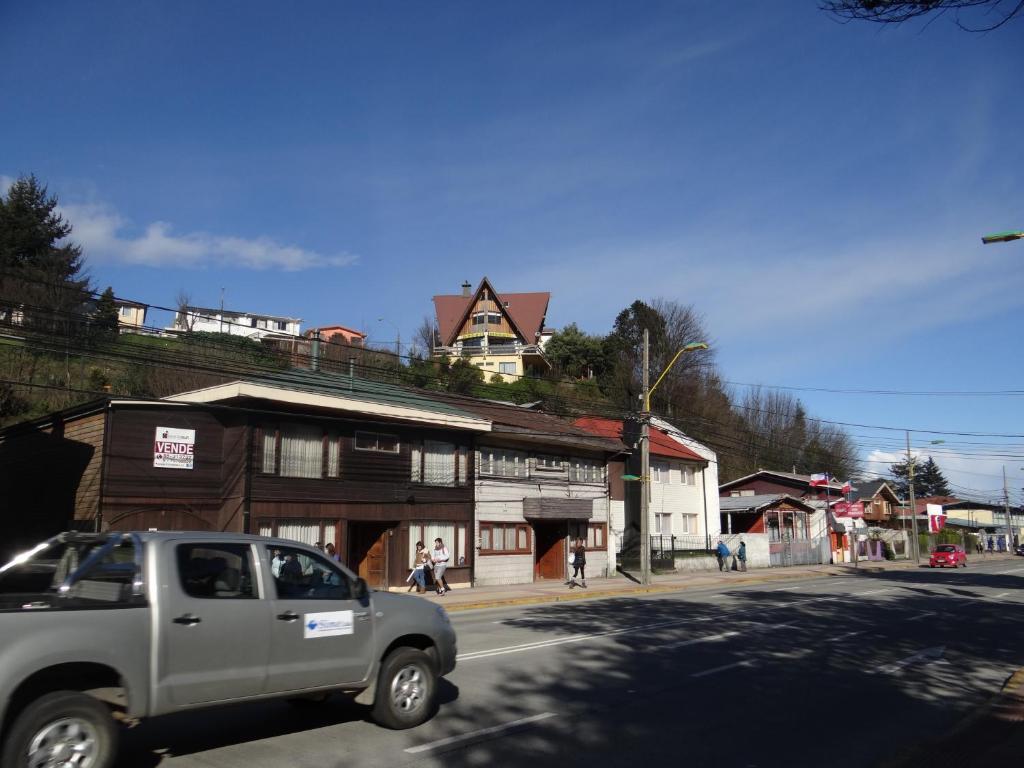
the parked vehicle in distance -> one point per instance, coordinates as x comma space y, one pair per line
1019, 549
948, 554
135, 625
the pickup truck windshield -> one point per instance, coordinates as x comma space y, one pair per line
34, 582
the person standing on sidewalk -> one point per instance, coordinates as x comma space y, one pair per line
722, 553
440, 557
579, 563
741, 555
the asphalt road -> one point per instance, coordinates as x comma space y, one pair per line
825, 671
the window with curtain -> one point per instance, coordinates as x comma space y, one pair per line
504, 539
302, 450
438, 463
689, 524
306, 531
502, 462
586, 470
689, 475
333, 455
269, 452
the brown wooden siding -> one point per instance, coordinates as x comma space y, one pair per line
88, 431
488, 305
49, 478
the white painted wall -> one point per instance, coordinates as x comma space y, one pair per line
500, 500
240, 324
682, 499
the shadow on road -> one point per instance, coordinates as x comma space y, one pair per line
755, 678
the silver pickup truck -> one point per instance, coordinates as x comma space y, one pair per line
96, 628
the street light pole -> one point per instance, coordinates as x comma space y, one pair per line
645, 450
645, 469
913, 505
1006, 508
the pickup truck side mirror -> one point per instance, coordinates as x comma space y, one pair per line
361, 590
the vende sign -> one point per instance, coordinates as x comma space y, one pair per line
174, 448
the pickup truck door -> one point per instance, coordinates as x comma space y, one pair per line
213, 626
320, 636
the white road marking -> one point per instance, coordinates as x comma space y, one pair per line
928, 654
476, 734
563, 640
1012, 570
784, 589
715, 670
921, 615
696, 640
844, 636
1001, 594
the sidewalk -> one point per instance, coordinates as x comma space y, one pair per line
465, 599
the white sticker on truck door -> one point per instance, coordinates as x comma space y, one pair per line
328, 624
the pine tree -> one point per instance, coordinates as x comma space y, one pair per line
40, 276
930, 479
105, 318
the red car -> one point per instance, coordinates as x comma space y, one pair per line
948, 554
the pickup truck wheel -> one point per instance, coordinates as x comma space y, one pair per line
65, 729
406, 689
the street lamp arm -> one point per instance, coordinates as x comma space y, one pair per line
688, 348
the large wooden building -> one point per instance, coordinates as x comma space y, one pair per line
368, 467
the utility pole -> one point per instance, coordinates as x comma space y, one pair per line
913, 505
1006, 508
645, 469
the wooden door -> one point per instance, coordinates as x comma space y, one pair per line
369, 550
550, 557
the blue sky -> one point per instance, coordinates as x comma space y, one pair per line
816, 190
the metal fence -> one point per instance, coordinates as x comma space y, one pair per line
799, 552
663, 545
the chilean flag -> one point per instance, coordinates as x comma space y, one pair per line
847, 487
817, 480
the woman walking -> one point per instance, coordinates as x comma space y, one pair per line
419, 564
439, 557
579, 563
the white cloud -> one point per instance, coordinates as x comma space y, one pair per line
103, 234
975, 477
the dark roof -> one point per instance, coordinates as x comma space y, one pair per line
526, 310
759, 501
871, 488
790, 476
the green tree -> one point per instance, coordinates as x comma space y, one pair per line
105, 318
575, 354
40, 275
928, 479
464, 378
